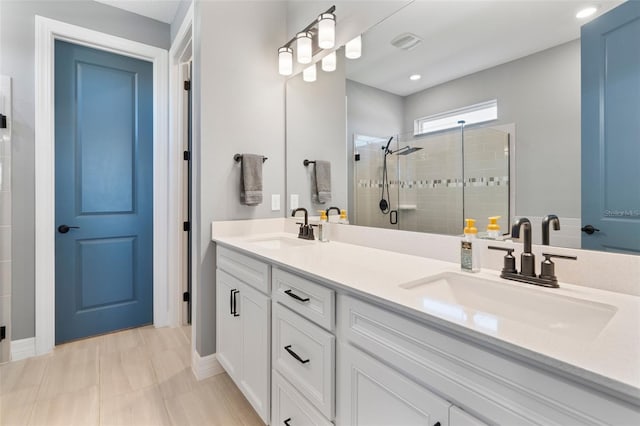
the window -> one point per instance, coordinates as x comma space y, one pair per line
478, 113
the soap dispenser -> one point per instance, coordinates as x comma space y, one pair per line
323, 227
343, 217
493, 229
469, 261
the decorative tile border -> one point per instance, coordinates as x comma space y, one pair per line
437, 183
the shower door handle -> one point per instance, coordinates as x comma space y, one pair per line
393, 217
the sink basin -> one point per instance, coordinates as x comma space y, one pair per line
276, 243
491, 304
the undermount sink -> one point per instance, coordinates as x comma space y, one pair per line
489, 304
276, 243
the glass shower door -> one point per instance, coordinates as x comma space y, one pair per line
369, 185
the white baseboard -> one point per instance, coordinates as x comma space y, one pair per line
23, 348
205, 366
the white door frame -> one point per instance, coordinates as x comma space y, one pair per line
182, 46
164, 255
181, 51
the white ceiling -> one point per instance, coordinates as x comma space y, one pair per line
160, 10
463, 37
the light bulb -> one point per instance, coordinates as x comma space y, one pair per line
285, 61
415, 77
326, 30
353, 48
303, 47
587, 11
309, 74
329, 62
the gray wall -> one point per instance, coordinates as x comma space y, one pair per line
239, 103
315, 130
370, 112
17, 50
540, 93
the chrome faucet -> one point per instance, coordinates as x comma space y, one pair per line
553, 219
527, 259
306, 230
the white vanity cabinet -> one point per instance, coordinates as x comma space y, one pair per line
498, 387
372, 393
243, 326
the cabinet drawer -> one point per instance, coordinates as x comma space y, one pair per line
291, 407
311, 300
305, 355
251, 271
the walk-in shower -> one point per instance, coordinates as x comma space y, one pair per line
384, 204
437, 186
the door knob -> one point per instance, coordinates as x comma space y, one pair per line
63, 229
589, 229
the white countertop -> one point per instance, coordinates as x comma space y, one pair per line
607, 355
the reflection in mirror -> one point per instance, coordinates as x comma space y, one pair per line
430, 183
524, 54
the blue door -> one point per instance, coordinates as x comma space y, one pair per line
104, 191
611, 131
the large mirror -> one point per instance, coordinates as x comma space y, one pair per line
523, 55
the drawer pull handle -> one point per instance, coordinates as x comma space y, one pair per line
234, 293
290, 293
295, 355
286, 422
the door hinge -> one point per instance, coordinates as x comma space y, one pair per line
186, 155
3, 333
185, 296
187, 85
186, 226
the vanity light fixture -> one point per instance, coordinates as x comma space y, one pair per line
329, 62
304, 47
415, 77
309, 73
586, 12
326, 30
353, 48
285, 60
321, 30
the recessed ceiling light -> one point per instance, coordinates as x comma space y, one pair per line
587, 11
415, 77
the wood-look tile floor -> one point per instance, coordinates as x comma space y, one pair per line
134, 377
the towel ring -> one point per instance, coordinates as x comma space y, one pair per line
238, 157
307, 162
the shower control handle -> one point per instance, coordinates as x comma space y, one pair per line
393, 217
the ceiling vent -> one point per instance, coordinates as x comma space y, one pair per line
406, 41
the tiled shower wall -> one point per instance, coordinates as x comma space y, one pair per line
5, 217
429, 188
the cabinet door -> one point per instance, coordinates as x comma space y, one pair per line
458, 417
254, 310
227, 324
372, 393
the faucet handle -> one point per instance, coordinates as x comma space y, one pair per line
509, 265
548, 267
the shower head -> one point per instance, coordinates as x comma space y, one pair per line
386, 148
407, 150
